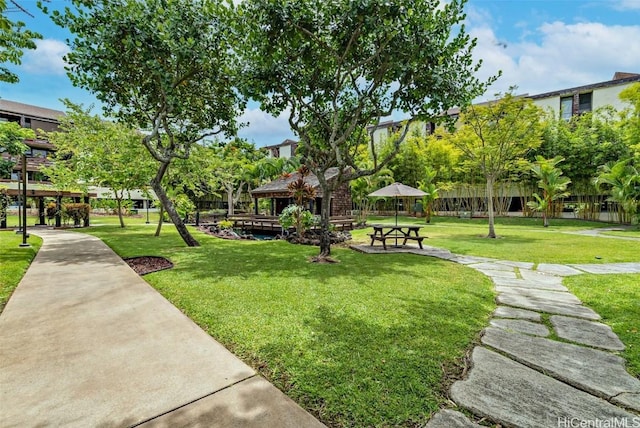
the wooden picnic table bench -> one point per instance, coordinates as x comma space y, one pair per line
396, 233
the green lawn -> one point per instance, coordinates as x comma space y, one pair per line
376, 339
359, 343
617, 299
520, 239
631, 233
14, 261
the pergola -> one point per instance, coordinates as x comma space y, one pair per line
40, 194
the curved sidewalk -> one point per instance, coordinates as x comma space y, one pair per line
84, 341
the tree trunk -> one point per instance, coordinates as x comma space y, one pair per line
547, 210
492, 231
230, 210
159, 228
325, 232
119, 204
170, 209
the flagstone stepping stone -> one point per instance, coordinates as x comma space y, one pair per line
469, 260
450, 419
540, 277
513, 394
609, 268
507, 312
493, 266
521, 326
546, 305
560, 270
497, 273
523, 283
586, 332
434, 252
554, 296
519, 265
598, 372
629, 400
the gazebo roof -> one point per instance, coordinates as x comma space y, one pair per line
279, 187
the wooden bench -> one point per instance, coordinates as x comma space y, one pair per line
393, 236
343, 223
414, 238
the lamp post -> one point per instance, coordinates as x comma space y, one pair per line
147, 203
24, 202
19, 201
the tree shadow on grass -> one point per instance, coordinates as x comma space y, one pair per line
356, 372
243, 260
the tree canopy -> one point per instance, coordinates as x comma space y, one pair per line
494, 136
163, 66
340, 66
93, 152
14, 39
12, 137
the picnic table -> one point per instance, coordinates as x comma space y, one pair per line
383, 232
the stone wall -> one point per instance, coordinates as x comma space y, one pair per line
341, 203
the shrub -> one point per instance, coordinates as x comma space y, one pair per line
76, 212
225, 224
295, 215
50, 210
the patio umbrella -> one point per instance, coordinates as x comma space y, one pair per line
398, 190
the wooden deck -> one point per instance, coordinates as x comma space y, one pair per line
271, 224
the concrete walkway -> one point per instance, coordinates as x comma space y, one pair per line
545, 360
85, 342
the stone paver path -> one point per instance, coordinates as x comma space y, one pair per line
545, 360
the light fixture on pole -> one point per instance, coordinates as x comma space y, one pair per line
24, 202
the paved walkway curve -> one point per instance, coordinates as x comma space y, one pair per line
85, 342
598, 233
522, 375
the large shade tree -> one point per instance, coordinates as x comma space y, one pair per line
338, 66
93, 152
160, 65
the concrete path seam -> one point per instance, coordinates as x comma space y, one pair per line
182, 406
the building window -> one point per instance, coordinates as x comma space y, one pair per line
584, 102
566, 107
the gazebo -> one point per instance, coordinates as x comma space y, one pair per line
277, 191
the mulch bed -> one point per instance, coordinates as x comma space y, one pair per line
147, 264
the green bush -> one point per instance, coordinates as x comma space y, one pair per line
76, 212
225, 224
298, 217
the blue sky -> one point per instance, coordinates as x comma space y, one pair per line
540, 46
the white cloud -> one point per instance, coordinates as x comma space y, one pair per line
47, 58
558, 56
627, 4
264, 129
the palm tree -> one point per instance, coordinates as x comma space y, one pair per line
552, 183
362, 186
623, 180
429, 187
